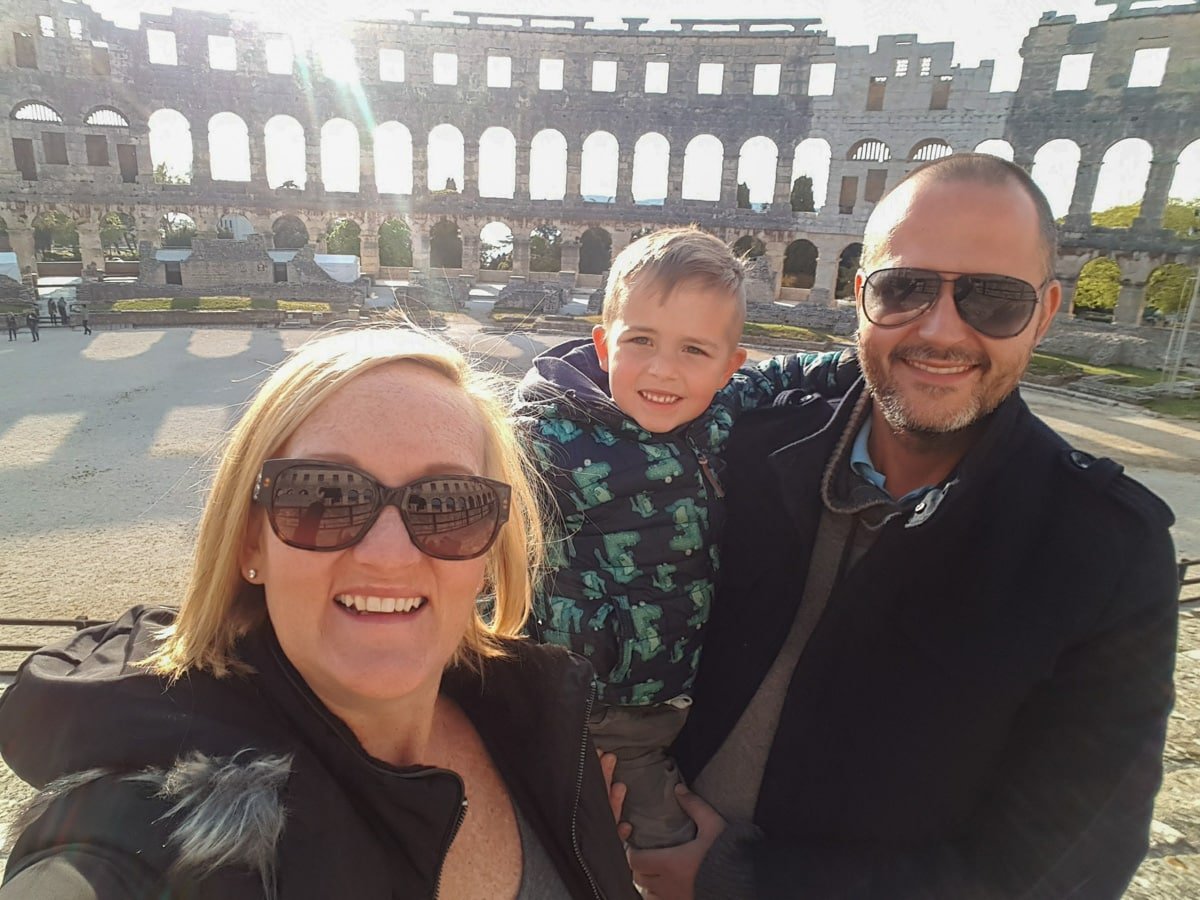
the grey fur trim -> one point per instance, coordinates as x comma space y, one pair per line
31, 810
228, 810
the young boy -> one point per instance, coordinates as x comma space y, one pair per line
628, 428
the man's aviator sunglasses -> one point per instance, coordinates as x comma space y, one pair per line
317, 505
997, 306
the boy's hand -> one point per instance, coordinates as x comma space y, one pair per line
616, 792
670, 873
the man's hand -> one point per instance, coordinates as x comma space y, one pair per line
616, 792
670, 873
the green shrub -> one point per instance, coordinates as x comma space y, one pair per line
308, 306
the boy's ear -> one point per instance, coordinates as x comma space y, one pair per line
600, 342
736, 360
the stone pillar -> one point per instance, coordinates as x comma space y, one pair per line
368, 253
521, 191
470, 185
470, 252
1080, 211
674, 177
729, 182
366, 167
574, 174
570, 256
420, 245
420, 165
520, 255
625, 175
825, 280
89, 247
1154, 201
312, 160
774, 255
258, 154
783, 181
1067, 307
21, 240
1130, 303
201, 160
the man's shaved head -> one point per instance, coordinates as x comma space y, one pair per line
975, 168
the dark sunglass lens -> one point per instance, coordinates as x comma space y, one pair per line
321, 507
895, 296
452, 518
996, 306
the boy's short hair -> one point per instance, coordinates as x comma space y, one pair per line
663, 259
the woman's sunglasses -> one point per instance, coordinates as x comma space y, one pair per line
997, 306
317, 505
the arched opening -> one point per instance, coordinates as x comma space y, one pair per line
234, 227
176, 230
1185, 186
1168, 291
497, 163
848, 262
651, 169
283, 140
35, 111
1122, 183
445, 171
595, 251
344, 238
810, 175
228, 147
395, 243
996, 147
1097, 290
170, 147
393, 159
548, 166
445, 246
1055, 166
56, 238
290, 233
339, 156
545, 249
929, 150
870, 150
757, 162
496, 247
748, 247
118, 236
703, 159
106, 117
800, 264
598, 168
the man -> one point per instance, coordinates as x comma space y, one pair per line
939, 663
53, 312
31, 319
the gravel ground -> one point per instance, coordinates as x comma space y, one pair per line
104, 443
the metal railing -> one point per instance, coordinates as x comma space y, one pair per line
1185, 581
79, 623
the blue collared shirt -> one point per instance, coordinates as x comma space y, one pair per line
860, 462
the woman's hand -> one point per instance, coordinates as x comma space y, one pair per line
616, 793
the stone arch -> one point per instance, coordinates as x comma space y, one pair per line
290, 233
811, 161
800, 264
870, 150
929, 150
497, 163
393, 159
234, 227
1055, 167
996, 147
56, 237
848, 263
1186, 183
228, 147
703, 159
176, 230
496, 247
1097, 289
1169, 289
170, 146
748, 247
598, 168
446, 170
36, 111
651, 169
283, 141
106, 117
344, 237
395, 243
548, 166
595, 251
1122, 180
118, 235
757, 161
445, 245
545, 248
339, 156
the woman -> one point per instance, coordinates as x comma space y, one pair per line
314, 720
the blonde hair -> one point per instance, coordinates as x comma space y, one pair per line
664, 259
220, 606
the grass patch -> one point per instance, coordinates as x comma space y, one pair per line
149, 304
786, 332
309, 306
1182, 407
1049, 364
217, 304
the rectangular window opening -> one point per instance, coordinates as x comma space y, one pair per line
281, 57
25, 52
657, 77
876, 89
1149, 67
445, 68
848, 195
281, 273
499, 71
940, 98
161, 46
222, 53
127, 160
391, 64
550, 75
876, 181
46, 24
1074, 72
23, 154
820, 79
173, 272
766, 79
604, 75
101, 64
75, 29
710, 79
926, 66
54, 145
901, 67
97, 149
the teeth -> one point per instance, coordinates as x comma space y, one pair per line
365, 604
939, 370
659, 398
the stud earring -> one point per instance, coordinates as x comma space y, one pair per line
251, 574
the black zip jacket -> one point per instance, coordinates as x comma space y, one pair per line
354, 827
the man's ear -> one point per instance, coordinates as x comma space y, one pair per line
860, 279
600, 342
1051, 301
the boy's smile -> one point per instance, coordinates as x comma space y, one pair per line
667, 357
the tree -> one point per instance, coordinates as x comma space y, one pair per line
55, 237
343, 237
117, 236
290, 233
802, 195
395, 244
1099, 285
1180, 216
497, 254
743, 195
176, 230
545, 249
1170, 288
162, 175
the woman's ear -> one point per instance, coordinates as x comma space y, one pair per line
251, 557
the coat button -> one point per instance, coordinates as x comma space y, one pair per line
1080, 459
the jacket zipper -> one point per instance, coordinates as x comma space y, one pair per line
709, 474
583, 750
462, 814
